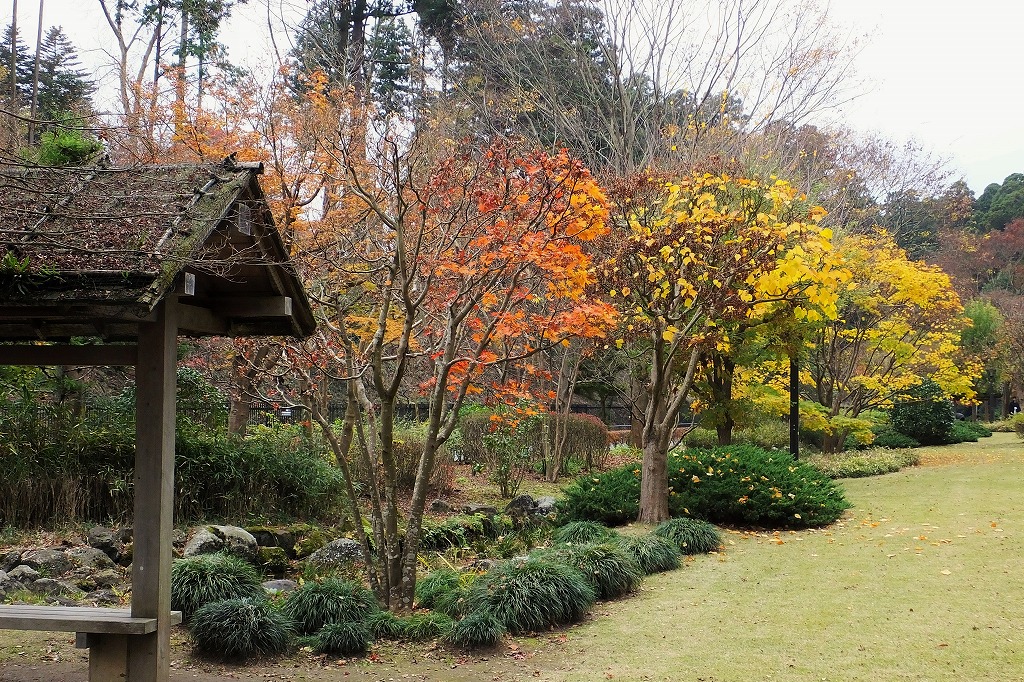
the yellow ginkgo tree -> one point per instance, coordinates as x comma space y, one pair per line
692, 258
899, 323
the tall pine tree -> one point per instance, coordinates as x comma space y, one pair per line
23, 61
63, 85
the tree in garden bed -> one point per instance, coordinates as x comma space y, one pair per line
448, 270
696, 257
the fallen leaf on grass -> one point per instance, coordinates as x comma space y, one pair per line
945, 572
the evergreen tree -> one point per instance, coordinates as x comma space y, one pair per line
24, 64
390, 47
63, 85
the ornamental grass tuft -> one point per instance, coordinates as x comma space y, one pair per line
581, 532
344, 638
236, 629
445, 591
611, 570
332, 600
478, 630
692, 536
533, 594
653, 553
208, 578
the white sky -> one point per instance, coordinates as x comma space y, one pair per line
947, 74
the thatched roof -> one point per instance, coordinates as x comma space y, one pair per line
91, 251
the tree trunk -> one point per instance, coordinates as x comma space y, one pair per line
654, 484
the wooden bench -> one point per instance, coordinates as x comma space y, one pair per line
104, 632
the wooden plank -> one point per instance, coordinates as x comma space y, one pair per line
63, 354
76, 619
197, 320
149, 656
264, 306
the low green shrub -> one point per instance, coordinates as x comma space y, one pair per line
532, 595
385, 625
652, 553
207, 578
961, 432
1001, 426
478, 630
236, 629
738, 484
691, 536
580, 532
459, 532
767, 434
344, 638
316, 604
888, 437
1017, 423
701, 437
611, 497
612, 571
861, 463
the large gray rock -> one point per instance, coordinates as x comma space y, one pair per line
230, 539
102, 538
90, 557
4, 579
544, 506
280, 586
485, 509
55, 588
439, 506
107, 578
10, 559
337, 552
521, 505
203, 541
49, 562
23, 574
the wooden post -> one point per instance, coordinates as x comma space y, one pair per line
155, 379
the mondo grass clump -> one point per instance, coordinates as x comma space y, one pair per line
691, 536
236, 629
652, 553
582, 532
533, 594
611, 570
345, 638
445, 591
422, 627
478, 630
332, 600
207, 578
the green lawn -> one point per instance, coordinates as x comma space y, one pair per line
923, 580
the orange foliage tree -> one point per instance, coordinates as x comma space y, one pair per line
456, 264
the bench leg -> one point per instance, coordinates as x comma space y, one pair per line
108, 657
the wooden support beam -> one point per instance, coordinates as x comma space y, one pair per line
197, 320
149, 655
63, 354
264, 306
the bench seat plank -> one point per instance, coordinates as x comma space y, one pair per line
76, 619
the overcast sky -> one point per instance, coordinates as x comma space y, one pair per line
945, 74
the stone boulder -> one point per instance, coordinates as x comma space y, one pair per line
280, 586
439, 506
337, 553
230, 539
545, 506
90, 557
485, 509
23, 574
10, 559
102, 538
521, 505
49, 562
55, 588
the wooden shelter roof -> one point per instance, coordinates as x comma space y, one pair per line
91, 251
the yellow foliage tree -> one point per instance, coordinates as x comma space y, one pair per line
899, 322
696, 258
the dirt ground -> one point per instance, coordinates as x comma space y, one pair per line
51, 657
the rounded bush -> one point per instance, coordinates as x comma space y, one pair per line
332, 600
533, 594
692, 536
345, 638
385, 625
612, 497
891, 438
580, 532
208, 578
653, 553
478, 630
611, 570
240, 628
927, 415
